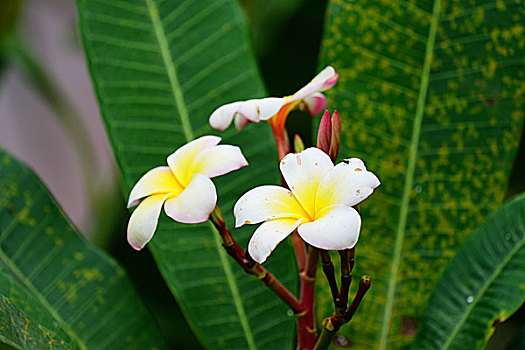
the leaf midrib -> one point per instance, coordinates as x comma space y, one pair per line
188, 133
170, 69
482, 291
409, 178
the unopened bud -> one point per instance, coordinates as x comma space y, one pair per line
298, 143
324, 134
335, 137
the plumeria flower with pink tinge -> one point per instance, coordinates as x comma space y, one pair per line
276, 109
184, 187
318, 204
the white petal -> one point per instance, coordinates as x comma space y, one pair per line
349, 183
218, 160
266, 203
181, 161
336, 229
195, 204
261, 109
156, 181
143, 221
303, 173
268, 236
323, 81
222, 117
315, 103
240, 122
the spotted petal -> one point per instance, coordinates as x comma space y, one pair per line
143, 221
195, 203
266, 203
181, 161
261, 109
336, 228
303, 173
269, 235
348, 183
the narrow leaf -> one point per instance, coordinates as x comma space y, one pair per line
483, 285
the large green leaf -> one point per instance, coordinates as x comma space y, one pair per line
431, 97
50, 274
159, 69
483, 284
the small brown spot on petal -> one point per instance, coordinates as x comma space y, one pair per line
358, 169
247, 222
358, 191
298, 160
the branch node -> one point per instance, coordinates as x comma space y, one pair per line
328, 325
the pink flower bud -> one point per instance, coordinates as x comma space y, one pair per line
336, 136
324, 134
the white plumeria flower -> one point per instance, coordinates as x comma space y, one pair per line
308, 98
318, 204
184, 187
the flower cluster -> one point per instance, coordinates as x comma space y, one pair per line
318, 202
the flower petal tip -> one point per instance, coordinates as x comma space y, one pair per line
136, 247
132, 203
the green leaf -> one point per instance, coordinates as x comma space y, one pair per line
483, 284
20, 331
159, 69
51, 274
431, 98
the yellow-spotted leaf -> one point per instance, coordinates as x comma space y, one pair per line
61, 288
431, 98
160, 68
27, 328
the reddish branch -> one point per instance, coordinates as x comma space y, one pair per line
306, 334
252, 267
332, 325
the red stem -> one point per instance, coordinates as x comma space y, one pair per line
306, 335
306, 264
252, 267
281, 140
